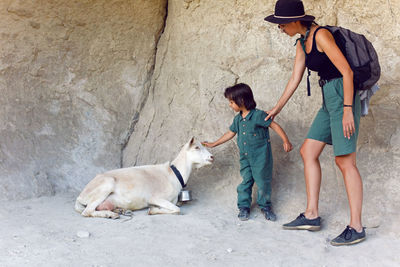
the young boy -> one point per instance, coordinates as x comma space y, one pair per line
255, 150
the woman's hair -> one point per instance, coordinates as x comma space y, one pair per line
242, 95
307, 24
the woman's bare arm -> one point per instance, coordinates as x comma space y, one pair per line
293, 83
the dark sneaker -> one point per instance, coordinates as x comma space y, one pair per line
244, 214
268, 213
302, 223
349, 237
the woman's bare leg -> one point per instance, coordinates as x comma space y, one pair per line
310, 152
354, 188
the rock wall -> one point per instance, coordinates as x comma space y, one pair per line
209, 45
73, 77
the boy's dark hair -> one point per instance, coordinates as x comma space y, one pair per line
242, 95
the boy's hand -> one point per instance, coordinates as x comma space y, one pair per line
287, 146
207, 144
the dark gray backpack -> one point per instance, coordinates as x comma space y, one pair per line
361, 56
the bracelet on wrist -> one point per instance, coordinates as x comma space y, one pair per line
347, 106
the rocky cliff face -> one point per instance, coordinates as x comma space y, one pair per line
209, 45
78, 78
73, 77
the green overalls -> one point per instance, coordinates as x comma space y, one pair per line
255, 157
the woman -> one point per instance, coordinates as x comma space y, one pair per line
336, 123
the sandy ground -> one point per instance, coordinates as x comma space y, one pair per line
43, 232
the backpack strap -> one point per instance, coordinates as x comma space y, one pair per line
303, 45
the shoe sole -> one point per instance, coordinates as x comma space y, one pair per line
244, 219
303, 227
349, 243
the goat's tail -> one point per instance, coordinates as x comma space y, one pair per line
79, 207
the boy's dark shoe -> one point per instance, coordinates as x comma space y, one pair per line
302, 223
244, 214
268, 213
348, 237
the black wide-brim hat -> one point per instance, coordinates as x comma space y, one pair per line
288, 11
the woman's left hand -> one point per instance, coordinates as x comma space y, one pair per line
348, 123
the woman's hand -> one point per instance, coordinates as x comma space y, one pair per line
207, 144
287, 146
348, 122
272, 113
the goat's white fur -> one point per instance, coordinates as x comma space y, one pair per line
153, 186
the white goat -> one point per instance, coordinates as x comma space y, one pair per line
154, 186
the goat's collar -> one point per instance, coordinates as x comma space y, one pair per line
178, 175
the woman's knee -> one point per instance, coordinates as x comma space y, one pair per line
308, 151
303, 150
345, 162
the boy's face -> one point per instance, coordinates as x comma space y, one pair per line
234, 106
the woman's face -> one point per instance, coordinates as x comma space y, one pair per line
288, 28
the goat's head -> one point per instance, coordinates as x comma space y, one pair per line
198, 154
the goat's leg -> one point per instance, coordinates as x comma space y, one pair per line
79, 207
162, 206
97, 196
104, 214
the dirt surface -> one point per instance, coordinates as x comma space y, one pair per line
44, 232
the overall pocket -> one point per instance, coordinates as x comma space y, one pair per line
257, 138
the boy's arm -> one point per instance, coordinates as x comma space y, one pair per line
226, 137
287, 146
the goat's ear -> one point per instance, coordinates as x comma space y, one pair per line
191, 142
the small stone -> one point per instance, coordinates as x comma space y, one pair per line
83, 234
229, 250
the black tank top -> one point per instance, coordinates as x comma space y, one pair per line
319, 62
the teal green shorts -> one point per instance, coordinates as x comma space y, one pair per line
327, 126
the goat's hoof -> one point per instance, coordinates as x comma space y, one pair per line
118, 211
114, 216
